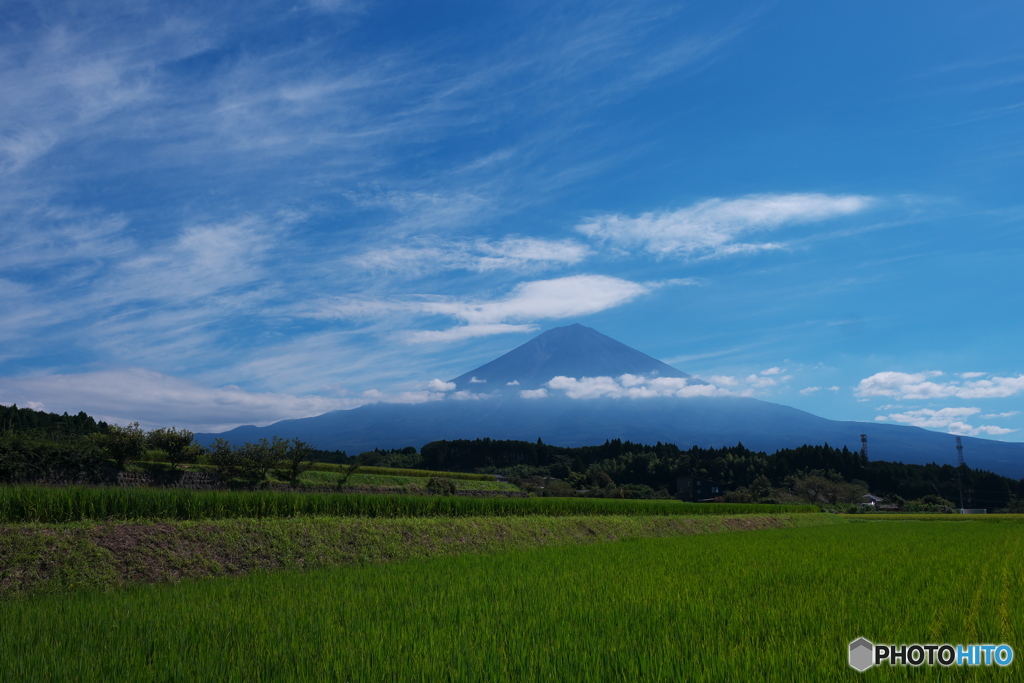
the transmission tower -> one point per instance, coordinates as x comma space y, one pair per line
959, 470
864, 445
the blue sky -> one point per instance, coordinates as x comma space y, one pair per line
212, 217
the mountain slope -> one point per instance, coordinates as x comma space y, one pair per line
571, 351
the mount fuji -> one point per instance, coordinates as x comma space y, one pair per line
571, 351
638, 398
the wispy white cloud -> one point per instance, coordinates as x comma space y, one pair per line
920, 385
467, 332
565, 297
156, 400
482, 256
343, 6
159, 166
713, 227
44, 236
559, 298
952, 420
807, 391
202, 260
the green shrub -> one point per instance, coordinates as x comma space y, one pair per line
442, 486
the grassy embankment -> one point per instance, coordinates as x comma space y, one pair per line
774, 605
48, 558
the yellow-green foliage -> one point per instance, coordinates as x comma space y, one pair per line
402, 472
777, 605
74, 503
929, 517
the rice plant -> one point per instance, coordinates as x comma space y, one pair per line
771, 605
71, 504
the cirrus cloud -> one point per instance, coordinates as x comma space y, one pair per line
715, 226
482, 256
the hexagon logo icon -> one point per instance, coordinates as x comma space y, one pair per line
862, 654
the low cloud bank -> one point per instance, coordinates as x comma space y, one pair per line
922, 385
952, 420
631, 386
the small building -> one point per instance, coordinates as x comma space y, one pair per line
870, 500
698, 490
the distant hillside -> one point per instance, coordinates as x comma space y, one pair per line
709, 422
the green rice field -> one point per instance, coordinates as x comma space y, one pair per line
402, 472
43, 504
778, 605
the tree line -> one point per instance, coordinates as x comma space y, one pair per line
36, 446
838, 474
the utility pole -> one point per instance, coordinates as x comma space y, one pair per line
959, 471
864, 445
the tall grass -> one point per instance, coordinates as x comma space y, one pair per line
72, 504
773, 605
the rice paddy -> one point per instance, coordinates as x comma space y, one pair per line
767, 605
40, 504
